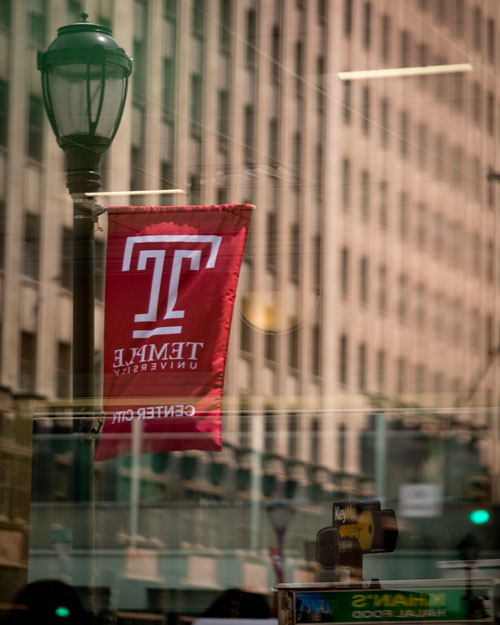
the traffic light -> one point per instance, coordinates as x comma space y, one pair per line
50, 602
478, 498
357, 528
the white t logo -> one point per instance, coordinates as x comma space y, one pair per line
158, 255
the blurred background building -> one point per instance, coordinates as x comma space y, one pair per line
365, 341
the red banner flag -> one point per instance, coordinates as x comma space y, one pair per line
171, 278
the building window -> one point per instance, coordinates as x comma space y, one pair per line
225, 26
270, 340
293, 346
347, 18
197, 18
223, 119
405, 49
66, 260
31, 260
170, 9
404, 124
320, 90
401, 376
403, 297
382, 289
403, 215
477, 19
3, 218
476, 102
459, 17
316, 350
365, 194
35, 128
196, 108
347, 87
438, 235
168, 89
317, 244
251, 39
343, 360
63, 380
489, 335
269, 430
362, 367
27, 362
346, 183
458, 91
194, 186
293, 434
139, 75
421, 305
490, 113
245, 336
490, 262
37, 21
422, 225
490, 40
385, 38
342, 446
384, 122
299, 68
367, 25
4, 111
275, 54
474, 333
364, 280
5, 13
273, 143
271, 241
438, 313
314, 448
249, 134
383, 204
294, 252
423, 61
422, 145
380, 370
245, 424
457, 322
475, 253
344, 272
365, 119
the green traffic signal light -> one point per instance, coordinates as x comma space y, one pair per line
62, 611
479, 516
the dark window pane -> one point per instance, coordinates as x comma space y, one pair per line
31, 259
35, 128
27, 361
66, 268
4, 111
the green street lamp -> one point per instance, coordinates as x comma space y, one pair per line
84, 79
280, 514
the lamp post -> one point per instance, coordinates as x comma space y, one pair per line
280, 513
84, 80
468, 549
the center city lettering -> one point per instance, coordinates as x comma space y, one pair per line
151, 357
171, 411
157, 255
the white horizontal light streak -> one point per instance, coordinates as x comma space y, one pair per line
144, 192
397, 72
